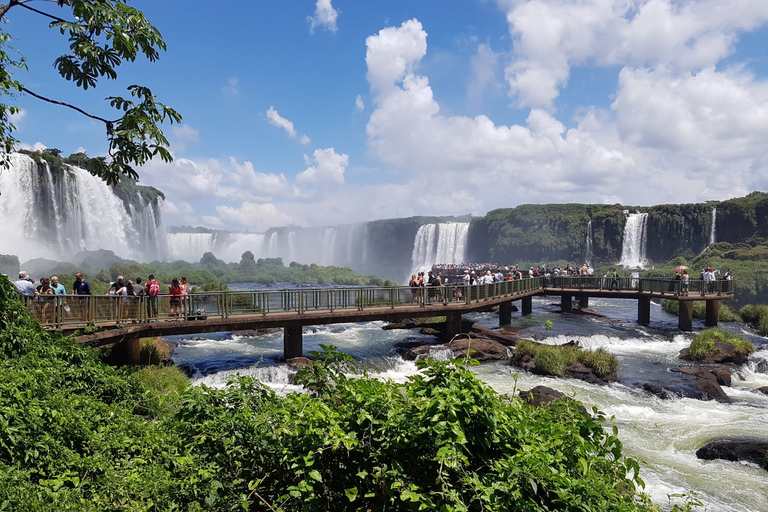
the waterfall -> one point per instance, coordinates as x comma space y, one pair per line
190, 246
366, 242
327, 245
272, 248
56, 213
291, 247
633, 248
712, 228
588, 245
439, 243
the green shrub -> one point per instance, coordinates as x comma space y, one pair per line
550, 361
703, 345
601, 362
151, 352
162, 385
753, 313
762, 327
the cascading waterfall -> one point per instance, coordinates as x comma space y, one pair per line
57, 213
291, 246
366, 242
272, 247
440, 243
588, 246
712, 228
633, 248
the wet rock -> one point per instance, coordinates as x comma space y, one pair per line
188, 369
542, 395
406, 323
763, 390
251, 333
429, 331
663, 393
725, 353
706, 381
479, 348
581, 372
297, 363
754, 451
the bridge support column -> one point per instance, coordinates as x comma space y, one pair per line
526, 304
584, 302
293, 345
644, 310
713, 306
127, 352
505, 313
566, 304
453, 324
685, 315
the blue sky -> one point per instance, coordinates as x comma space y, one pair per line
330, 112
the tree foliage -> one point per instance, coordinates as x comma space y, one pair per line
102, 35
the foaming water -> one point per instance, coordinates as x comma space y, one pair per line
663, 434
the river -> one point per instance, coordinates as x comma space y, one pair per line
663, 434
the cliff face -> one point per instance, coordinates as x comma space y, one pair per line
539, 233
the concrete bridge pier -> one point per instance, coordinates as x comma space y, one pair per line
566, 304
526, 304
453, 323
644, 310
584, 302
505, 313
713, 306
293, 344
685, 315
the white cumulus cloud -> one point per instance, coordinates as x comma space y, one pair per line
325, 17
329, 168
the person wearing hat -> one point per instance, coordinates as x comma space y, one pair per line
24, 285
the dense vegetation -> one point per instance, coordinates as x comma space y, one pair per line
703, 344
76, 434
553, 359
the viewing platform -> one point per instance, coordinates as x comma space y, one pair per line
123, 320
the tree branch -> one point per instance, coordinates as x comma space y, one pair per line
56, 102
42, 13
5, 8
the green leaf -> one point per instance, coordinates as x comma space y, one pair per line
351, 493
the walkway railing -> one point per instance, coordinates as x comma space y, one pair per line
655, 286
73, 311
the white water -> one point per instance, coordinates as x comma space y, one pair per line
56, 217
439, 243
633, 247
588, 245
712, 228
663, 434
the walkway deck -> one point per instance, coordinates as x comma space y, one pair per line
124, 319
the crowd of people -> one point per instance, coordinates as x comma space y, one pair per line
151, 291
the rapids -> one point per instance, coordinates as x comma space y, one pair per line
663, 434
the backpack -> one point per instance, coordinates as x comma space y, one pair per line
154, 288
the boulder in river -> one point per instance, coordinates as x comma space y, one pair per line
725, 353
754, 451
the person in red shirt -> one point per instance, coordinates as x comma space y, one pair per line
175, 292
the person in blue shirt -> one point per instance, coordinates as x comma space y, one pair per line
24, 285
81, 286
58, 288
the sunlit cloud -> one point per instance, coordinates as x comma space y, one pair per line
325, 17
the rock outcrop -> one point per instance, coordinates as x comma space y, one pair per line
754, 451
725, 353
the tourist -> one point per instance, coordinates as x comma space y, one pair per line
117, 285
414, 284
685, 279
184, 285
439, 287
614, 280
82, 289
81, 286
175, 297
58, 288
152, 290
45, 293
422, 286
138, 289
24, 285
